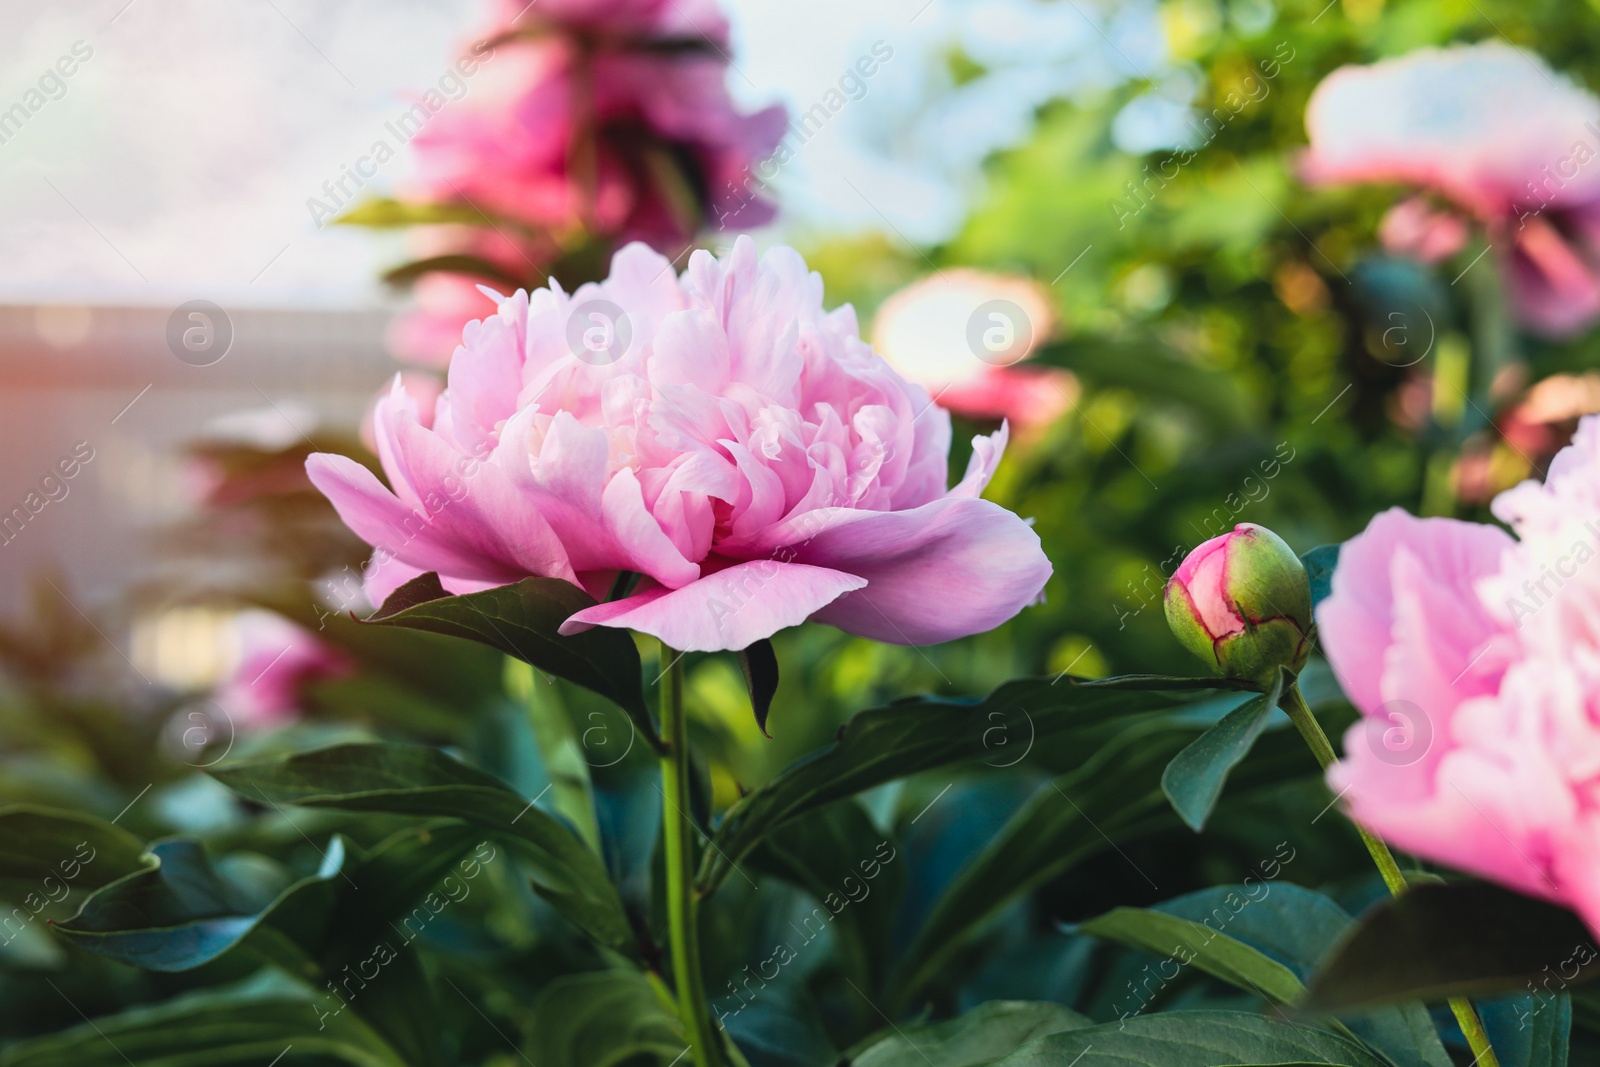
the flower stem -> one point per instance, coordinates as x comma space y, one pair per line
682, 921
1299, 712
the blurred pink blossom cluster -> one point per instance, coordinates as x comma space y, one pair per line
277, 660
1486, 134
961, 333
599, 122
1475, 659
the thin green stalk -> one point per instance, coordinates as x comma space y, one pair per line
682, 919
1299, 713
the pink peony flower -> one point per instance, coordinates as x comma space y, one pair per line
1494, 131
277, 660
960, 334
720, 434
1476, 659
618, 121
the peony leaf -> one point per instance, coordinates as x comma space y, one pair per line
1112, 796
523, 620
46, 853
1320, 563
1194, 779
240, 1027
420, 781
1184, 1038
183, 914
1299, 927
1215, 953
760, 666
911, 736
832, 854
974, 1039
1412, 948
602, 1020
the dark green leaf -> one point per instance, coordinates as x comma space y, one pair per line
353, 917
760, 666
837, 854
174, 917
1068, 820
1415, 948
46, 853
1189, 1038
1194, 779
419, 781
229, 1029
1298, 928
975, 1039
1534, 1030
601, 1020
523, 620
1188, 942
912, 736
1319, 563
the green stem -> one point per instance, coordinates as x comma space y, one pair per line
1300, 714
682, 904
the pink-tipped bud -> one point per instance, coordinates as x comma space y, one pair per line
1242, 603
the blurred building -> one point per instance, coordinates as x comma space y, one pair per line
96, 404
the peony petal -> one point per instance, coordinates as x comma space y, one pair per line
476, 504
379, 518
948, 569
729, 609
1357, 622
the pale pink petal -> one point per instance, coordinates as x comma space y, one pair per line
948, 569
1359, 621
729, 609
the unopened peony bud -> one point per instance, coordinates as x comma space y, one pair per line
1242, 603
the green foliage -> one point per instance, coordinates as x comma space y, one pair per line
977, 1038
522, 620
1413, 948
425, 783
1194, 779
1174, 1039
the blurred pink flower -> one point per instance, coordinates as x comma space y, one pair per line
617, 120
443, 302
1475, 658
720, 434
1491, 129
960, 333
1416, 229
277, 660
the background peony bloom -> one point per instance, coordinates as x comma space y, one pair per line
720, 434
1476, 658
277, 660
618, 121
1242, 602
960, 334
1499, 135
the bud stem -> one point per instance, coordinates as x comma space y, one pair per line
1299, 712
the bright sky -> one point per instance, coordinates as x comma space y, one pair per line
176, 160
